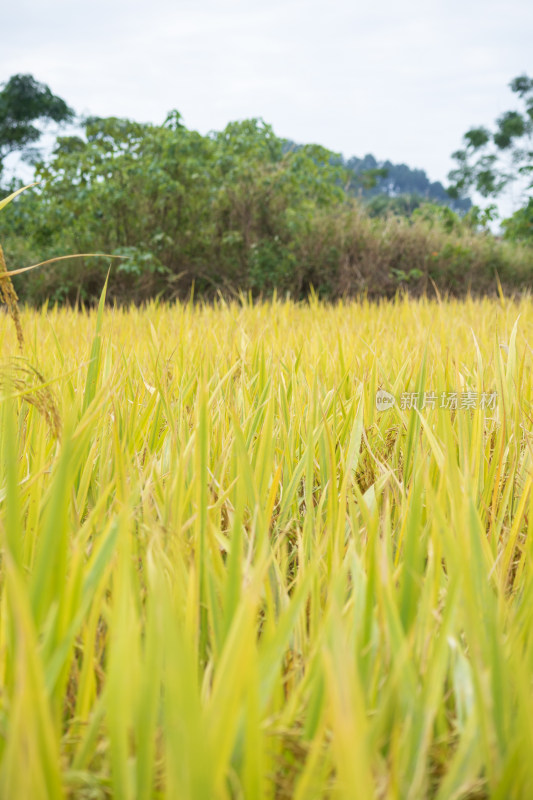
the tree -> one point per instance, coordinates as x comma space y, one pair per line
24, 101
229, 209
492, 160
519, 227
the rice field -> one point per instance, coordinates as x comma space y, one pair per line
226, 574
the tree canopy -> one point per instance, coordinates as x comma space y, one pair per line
23, 102
491, 160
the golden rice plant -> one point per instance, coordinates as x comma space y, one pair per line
21, 376
8, 294
234, 577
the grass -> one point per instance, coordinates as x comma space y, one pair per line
225, 574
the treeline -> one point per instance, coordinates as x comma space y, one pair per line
238, 210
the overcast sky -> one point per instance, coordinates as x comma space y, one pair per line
401, 80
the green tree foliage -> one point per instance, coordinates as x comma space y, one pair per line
402, 205
519, 227
233, 211
491, 160
219, 210
24, 101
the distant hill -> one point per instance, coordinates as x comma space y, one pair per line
400, 181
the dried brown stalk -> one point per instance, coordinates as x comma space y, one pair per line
10, 298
